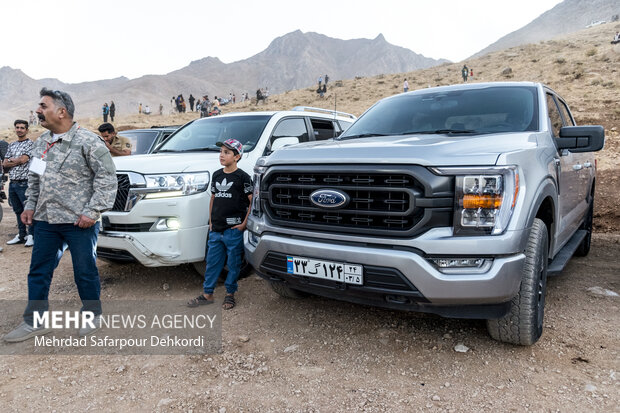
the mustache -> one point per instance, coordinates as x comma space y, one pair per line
41, 117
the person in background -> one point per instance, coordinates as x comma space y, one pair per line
17, 161
106, 111
405, 86
117, 145
112, 111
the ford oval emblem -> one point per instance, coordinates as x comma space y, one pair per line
329, 198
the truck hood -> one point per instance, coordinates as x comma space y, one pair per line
168, 162
433, 150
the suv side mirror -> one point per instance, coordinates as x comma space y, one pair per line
589, 138
282, 142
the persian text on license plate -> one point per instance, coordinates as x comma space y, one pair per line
328, 270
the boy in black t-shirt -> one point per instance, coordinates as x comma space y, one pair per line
231, 195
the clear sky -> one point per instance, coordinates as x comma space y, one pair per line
81, 40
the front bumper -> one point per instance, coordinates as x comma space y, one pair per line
394, 278
157, 248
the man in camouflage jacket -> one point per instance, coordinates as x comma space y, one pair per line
72, 180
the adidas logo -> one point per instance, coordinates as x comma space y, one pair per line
223, 186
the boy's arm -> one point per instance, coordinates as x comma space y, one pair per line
241, 227
211, 209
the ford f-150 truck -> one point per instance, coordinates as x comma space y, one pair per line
455, 200
161, 212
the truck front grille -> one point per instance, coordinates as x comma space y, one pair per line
397, 201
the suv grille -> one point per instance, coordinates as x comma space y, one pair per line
399, 201
122, 192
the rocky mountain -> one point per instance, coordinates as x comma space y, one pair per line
292, 61
567, 17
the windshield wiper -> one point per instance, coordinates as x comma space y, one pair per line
205, 149
361, 135
165, 150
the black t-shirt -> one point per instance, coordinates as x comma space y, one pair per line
231, 203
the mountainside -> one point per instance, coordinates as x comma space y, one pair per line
567, 17
291, 61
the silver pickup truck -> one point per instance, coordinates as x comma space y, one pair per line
456, 200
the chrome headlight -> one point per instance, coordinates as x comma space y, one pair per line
170, 185
484, 198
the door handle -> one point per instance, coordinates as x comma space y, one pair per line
577, 167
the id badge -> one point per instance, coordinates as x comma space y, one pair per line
37, 166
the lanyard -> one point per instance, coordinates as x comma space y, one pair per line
49, 146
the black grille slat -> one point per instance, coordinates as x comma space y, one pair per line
121, 193
375, 277
143, 227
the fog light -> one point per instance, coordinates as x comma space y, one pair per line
173, 223
166, 224
461, 265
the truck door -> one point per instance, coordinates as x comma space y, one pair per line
568, 177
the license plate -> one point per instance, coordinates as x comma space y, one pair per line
327, 270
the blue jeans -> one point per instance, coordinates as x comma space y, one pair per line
52, 241
17, 198
222, 245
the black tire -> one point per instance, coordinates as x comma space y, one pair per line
285, 291
584, 248
523, 325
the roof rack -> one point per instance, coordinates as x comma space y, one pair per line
333, 112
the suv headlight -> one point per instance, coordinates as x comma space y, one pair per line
259, 170
484, 198
170, 185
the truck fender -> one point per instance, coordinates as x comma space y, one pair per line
547, 190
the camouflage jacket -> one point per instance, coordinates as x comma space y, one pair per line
79, 178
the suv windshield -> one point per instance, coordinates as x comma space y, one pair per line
203, 134
470, 111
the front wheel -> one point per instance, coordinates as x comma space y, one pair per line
523, 325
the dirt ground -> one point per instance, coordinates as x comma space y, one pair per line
316, 354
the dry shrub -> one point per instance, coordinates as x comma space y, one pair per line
560, 60
591, 52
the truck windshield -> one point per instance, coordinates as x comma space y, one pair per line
460, 112
203, 134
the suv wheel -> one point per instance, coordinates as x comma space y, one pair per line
523, 325
584, 248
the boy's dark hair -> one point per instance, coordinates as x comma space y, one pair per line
20, 122
60, 99
106, 127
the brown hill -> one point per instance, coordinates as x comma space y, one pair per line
567, 17
583, 67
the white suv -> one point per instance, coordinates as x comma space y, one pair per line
160, 216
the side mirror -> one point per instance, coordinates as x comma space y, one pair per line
282, 142
589, 138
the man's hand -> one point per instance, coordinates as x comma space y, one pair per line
26, 216
84, 222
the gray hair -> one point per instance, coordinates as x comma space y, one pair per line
60, 99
